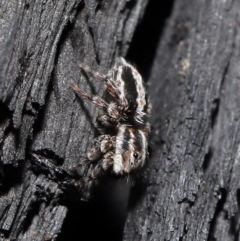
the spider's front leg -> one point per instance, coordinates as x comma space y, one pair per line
106, 123
89, 72
111, 87
101, 145
113, 110
96, 100
103, 165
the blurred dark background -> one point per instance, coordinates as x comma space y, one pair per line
147, 35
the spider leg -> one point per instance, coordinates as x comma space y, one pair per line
101, 145
147, 129
149, 108
74, 167
88, 71
107, 143
110, 85
112, 109
106, 121
96, 100
105, 164
113, 90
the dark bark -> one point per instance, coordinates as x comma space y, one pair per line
43, 129
193, 187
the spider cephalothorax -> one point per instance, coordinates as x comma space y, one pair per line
122, 147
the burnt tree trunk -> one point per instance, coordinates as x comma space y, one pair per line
44, 129
191, 189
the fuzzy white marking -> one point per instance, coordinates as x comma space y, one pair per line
144, 144
122, 61
117, 161
131, 147
141, 98
120, 83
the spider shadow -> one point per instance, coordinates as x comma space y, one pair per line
102, 217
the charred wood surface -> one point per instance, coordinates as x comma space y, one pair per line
193, 187
44, 129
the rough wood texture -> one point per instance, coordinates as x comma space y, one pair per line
193, 188
43, 128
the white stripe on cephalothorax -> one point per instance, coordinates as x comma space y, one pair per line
118, 162
144, 147
131, 146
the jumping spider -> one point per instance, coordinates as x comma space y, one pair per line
123, 145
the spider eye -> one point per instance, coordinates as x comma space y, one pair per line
135, 155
